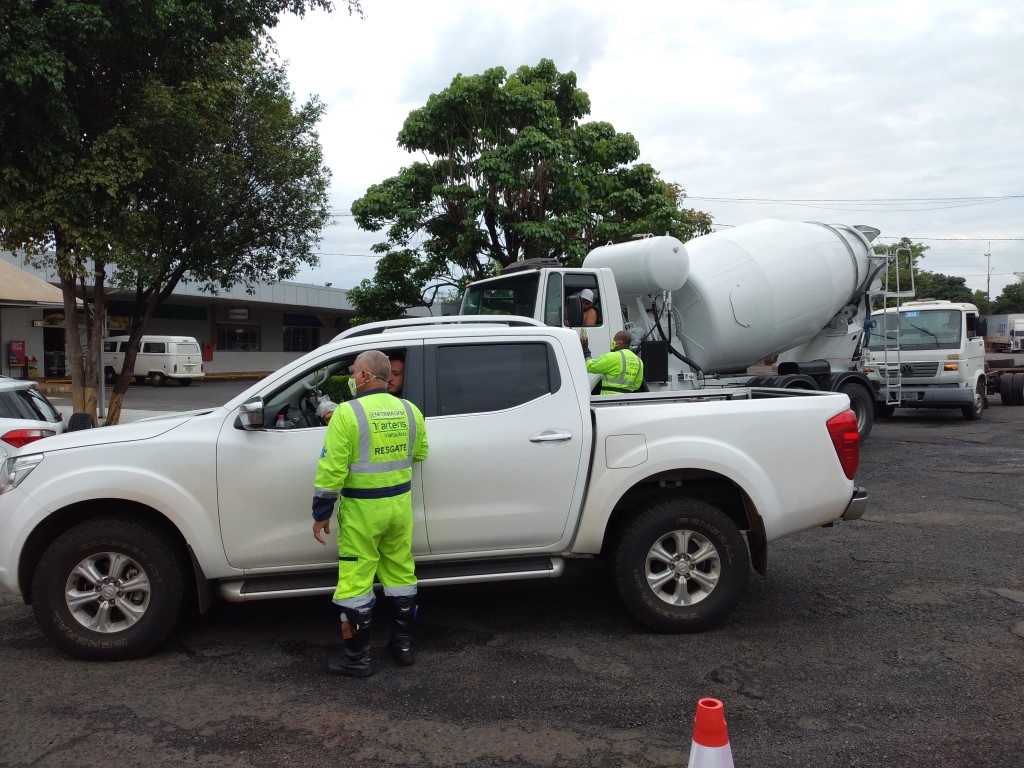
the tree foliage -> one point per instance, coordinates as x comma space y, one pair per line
235, 189
1011, 299
87, 134
509, 171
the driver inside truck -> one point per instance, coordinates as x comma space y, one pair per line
589, 310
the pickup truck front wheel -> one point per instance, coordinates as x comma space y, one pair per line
681, 566
108, 589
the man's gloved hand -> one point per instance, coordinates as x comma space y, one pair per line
325, 408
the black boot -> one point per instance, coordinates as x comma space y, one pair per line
355, 630
403, 612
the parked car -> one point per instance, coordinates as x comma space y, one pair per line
25, 415
160, 358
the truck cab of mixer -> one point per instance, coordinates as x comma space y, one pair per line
545, 290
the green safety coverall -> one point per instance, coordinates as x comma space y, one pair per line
367, 457
621, 371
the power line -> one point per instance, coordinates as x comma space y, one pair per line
859, 200
922, 237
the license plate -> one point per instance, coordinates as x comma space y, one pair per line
189, 368
908, 395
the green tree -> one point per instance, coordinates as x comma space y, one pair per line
906, 256
1011, 299
236, 191
74, 77
510, 171
935, 285
981, 301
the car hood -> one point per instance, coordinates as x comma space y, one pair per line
144, 429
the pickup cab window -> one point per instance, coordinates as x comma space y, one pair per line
477, 378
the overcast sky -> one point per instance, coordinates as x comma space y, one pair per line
905, 115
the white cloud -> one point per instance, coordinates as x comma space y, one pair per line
816, 99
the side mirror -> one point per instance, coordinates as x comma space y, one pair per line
250, 413
574, 311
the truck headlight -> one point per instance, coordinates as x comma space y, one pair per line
17, 468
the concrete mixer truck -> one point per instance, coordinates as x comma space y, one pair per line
703, 313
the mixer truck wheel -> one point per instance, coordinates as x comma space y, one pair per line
796, 381
884, 410
973, 411
863, 406
681, 566
1017, 389
1005, 388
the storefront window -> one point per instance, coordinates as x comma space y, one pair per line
238, 337
299, 339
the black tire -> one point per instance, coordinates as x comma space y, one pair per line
1017, 389
109, 375
184, 382
128, 623
797, 381
863, 406
679, 603
158, 378
79, 421
1006, 388
974, 411
884, 410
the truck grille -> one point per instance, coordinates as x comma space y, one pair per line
914, 370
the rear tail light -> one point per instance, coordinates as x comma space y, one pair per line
20, 437
175, 367
842, 428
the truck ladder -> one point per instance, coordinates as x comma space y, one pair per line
892, 382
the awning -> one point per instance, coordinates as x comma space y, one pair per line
18, 287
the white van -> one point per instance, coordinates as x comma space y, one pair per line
160, 358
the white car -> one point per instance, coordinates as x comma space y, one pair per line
25, 415
112, 533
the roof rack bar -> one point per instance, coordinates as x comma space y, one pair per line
412, 322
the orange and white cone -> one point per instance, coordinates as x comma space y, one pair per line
710, 748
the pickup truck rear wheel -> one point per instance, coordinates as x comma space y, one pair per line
681, 566
108, 589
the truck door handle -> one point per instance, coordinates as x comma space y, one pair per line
550, 436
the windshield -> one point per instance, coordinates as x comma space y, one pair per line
917, 329
514, 295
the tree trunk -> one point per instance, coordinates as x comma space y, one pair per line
114, 408
72, 336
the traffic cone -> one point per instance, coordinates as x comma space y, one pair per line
710, 748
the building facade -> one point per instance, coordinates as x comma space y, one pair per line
238, 331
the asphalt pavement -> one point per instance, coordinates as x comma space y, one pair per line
895, 640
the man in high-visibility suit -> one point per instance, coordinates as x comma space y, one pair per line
621, 370
370, 445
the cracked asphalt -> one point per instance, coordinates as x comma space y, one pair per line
896, 640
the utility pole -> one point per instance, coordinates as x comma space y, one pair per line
988, 272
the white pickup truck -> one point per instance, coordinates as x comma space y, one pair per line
110, 533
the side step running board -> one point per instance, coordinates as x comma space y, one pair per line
428, 574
